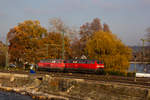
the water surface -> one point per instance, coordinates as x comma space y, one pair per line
13, 96
141, 68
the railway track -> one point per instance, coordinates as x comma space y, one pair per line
140, 82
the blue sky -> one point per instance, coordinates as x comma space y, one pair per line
128, 19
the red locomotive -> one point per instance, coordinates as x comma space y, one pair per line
71, 65
51, 64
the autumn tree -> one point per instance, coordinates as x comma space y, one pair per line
54, 45
25, 40
69, 32
2, 54
106, 28
96, 25
107, 47
57, 25
86, 32
87, 29
76, 49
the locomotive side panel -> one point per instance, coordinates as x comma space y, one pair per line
52, 64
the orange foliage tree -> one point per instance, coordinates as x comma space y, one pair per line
2, 54
107, 47
24, 41
86, 32
53, 44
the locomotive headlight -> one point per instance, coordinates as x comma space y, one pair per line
100, 66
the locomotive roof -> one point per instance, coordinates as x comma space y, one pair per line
70, 59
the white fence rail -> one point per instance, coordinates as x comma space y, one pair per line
142, 75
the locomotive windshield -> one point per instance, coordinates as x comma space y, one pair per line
99, 62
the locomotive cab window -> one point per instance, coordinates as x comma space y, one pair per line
99, 62
65, 61
82, 61
90, 62
70, 61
